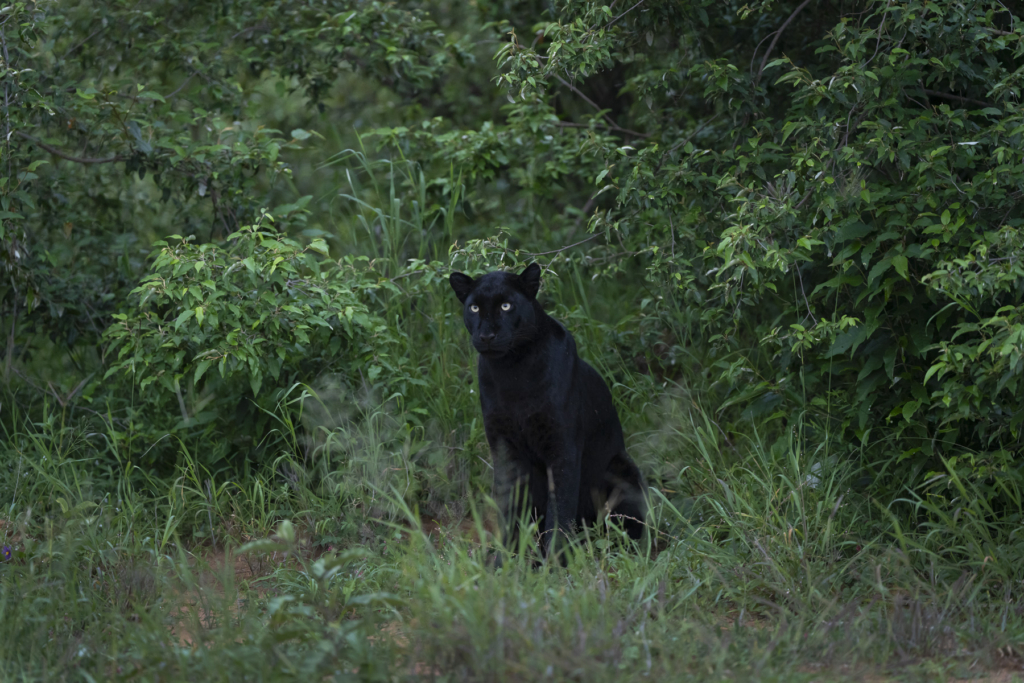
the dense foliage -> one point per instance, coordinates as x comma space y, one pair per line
803, 209
236, 386
840, 218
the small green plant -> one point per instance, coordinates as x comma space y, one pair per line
212, 330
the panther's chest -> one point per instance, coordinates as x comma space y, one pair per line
527, 406
515, 404
530, 429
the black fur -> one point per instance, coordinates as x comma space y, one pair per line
554, 435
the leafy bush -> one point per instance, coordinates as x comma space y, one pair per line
838, 217
220, 328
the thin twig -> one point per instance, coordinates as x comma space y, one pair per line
586, 99
610, 8
10, 342
612, 22
7, 111
806, 197
955, 98
920, 104
846, 134
182, 86
778, 34
878, 37
209, 514
753, 57
586, 209
92, 35
672, 228
804, 292
545, 253
251, 28
694, 133
64, 155
594, 104
1012, 18
217, 209
610, 257
605, 124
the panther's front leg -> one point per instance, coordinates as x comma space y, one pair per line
563, 474
511, 490
557, 457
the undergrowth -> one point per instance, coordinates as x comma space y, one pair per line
765, 561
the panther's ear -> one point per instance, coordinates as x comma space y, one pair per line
529, 280
462, 284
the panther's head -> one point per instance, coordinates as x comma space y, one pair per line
500, 309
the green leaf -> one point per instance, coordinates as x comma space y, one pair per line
298, 205
937, 367
878, 269
319, 246
201, 370
852, 231
899, 262
889, 360
185, 315
255, 383
300, 134
851, 337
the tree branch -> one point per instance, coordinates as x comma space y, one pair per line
604, 124
576, 90
92, 35
69, 157
613, 21
594, 104
182, 86
955, 98
778, 34
545, 253
804, 292
585, 210
692, 135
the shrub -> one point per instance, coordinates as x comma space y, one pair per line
219, 330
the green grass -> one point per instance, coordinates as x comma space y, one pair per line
765, 563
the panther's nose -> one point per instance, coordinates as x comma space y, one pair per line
487, 338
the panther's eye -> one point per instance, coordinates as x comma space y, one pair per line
506, 307
474, 308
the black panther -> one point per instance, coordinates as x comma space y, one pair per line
555, 438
